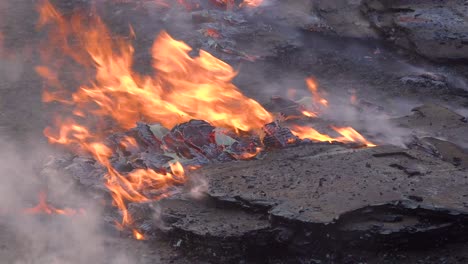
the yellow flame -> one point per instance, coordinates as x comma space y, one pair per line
137, 235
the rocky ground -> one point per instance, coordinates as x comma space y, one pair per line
404, 201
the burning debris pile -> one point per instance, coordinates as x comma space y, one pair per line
209, 119
163, 149
305, 200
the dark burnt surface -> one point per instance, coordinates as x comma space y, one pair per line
318, 188
312, 201
436, 121
372, 200
284, 56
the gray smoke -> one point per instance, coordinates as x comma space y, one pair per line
41, 238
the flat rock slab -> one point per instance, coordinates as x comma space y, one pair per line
205, 220
435, 29
320, 199
445, 150
204, 229
431, 120
345, 18
316, 184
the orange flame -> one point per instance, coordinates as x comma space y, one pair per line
310, 133
348, 135
252, 3
309, 113
123, 188
183, 88
318, 99
137, 235
351, 135
248, 155
44, 208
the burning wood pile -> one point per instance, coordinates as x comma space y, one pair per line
183, 153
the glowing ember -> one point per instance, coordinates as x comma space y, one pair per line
247, 155
193, 167
44, 208
213, 33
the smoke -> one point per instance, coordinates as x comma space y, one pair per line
198, 186
42, 238
11, 66
39, 238
27, 238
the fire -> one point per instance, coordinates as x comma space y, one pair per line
252, 3
44, 208
348, 134
351, 135
128, 142
137, 235
310, 133
123, 188
184, 87
248, 155
309, 113
313, 88
193, 167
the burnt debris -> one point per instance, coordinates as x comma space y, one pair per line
315, 200
308, 200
